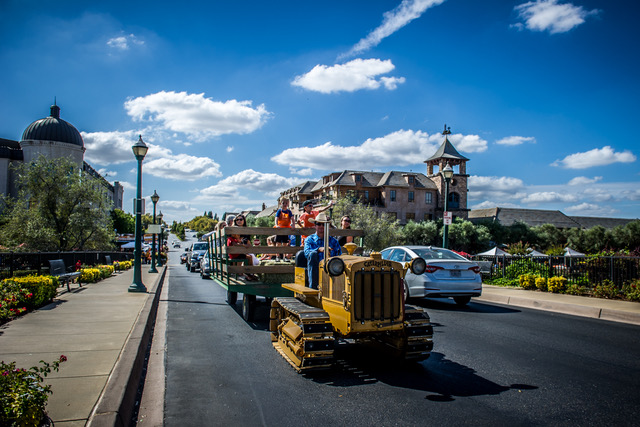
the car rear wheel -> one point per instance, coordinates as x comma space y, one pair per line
462, 300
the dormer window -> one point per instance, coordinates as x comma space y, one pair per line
358, 178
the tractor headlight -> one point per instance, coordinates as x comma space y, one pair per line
335, 266
418, 266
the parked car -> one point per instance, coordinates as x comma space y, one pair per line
448, 274
176, 244
197, 250
183, 258
205, 266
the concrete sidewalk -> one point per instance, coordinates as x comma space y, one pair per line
103, 330
597, 308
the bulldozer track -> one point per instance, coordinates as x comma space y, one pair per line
302, 334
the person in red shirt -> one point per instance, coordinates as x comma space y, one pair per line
308, 213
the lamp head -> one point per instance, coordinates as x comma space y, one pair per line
140, 149
160, 217
447, 172
155, 197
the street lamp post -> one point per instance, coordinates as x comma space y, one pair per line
161, 238
447, 173
154, 199
139, 151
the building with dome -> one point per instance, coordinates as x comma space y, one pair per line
54, 138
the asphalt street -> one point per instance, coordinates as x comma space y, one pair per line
491, 365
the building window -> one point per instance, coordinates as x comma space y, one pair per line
428, 198
454, 201
366, 195
410, 196
411, 178
393, 195
357, 178
428, 217
411, 216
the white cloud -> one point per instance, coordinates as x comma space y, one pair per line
468, 143
393, 20
301, 172
550, 197
182, 167
590, 209
108, 148
248, 179
354, 75
596, 157
229, 149
174, 205
197, 116
497, 188
128, 186
494, 183
488, 204
583, 180
107, 173
515, 140
400, 148
124, 42
549, 15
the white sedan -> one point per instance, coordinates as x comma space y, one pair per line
447, 274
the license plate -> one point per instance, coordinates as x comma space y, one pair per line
454, 273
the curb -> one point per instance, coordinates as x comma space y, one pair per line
116, 403
563, 307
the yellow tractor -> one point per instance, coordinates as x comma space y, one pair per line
359, 298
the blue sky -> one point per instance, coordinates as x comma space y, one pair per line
241, 100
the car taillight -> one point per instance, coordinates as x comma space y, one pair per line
432, 268
475, 269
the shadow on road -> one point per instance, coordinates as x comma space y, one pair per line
448, 304
440, 378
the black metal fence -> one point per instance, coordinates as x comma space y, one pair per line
23, 263
587, 271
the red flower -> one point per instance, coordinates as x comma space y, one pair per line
63, 358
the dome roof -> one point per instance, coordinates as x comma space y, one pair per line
53, 128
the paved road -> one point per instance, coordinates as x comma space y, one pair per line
491, 365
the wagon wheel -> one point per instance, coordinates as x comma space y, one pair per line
232, 297
248, 306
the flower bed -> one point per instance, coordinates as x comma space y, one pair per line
23, 398
19, 295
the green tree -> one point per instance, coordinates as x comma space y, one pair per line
549, 236
57, 208
421, 233
380, 231
464, 236
123, 222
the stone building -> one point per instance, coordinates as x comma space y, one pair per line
53, 138
405, 195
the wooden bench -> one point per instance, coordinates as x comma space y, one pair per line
58, 269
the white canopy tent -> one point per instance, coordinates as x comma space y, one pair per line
494, 252
132, 245
536, 253
572, 253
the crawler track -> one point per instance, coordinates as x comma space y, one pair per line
302, 334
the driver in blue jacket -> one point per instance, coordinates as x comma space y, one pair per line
314, 249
